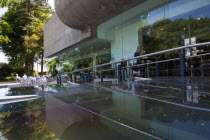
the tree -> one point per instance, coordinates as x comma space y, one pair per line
4, 27
25, 41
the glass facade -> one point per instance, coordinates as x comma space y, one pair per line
149, 27
156, 25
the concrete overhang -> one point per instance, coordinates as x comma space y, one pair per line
58, 36
81, 14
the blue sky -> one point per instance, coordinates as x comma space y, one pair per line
2, 11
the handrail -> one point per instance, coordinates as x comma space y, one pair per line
146, 55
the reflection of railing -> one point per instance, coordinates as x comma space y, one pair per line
182, 63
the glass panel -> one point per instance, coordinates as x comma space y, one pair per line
149, 27
112, 31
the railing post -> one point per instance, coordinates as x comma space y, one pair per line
101, 76
83, 78
184, 88
202, 71
157, 70
119, 73
182, 64
75, 78
57, 80
88, 76
71, 79
123, 74
60, 79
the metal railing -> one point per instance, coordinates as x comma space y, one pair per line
182, 59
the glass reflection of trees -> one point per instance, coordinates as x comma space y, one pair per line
167, 34
25, 121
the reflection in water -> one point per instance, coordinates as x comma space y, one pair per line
54, 117
25, 125
91, 129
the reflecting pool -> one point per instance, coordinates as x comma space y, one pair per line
155, 109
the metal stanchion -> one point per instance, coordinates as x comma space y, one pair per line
83, 78
157, 70
57, 80
101, 75
182, 64
71, 79
119, 73
60, 79
89, 76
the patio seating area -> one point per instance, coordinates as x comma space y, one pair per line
33, 81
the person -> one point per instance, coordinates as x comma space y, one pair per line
49, 76
17, 78
139, 52
36, 75
24, 77
55, 72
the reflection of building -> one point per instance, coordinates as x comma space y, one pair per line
87, 33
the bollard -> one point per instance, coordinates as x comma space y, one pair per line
119, 73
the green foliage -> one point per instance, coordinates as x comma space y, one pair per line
52, 65
4, 29
6, 3
19, 70
21, 31
5, 71
25, 125
10, 78
3, 3
8, 73
167, 34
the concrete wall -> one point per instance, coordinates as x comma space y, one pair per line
57, 36
80, 14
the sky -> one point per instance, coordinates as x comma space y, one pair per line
2, 11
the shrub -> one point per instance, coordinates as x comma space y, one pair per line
20, 71
5, 71
11, 78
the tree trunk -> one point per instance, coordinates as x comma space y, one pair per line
32, 67
42, 62
27, 33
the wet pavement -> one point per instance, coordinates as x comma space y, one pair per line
167, 108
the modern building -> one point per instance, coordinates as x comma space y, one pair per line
93, 32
